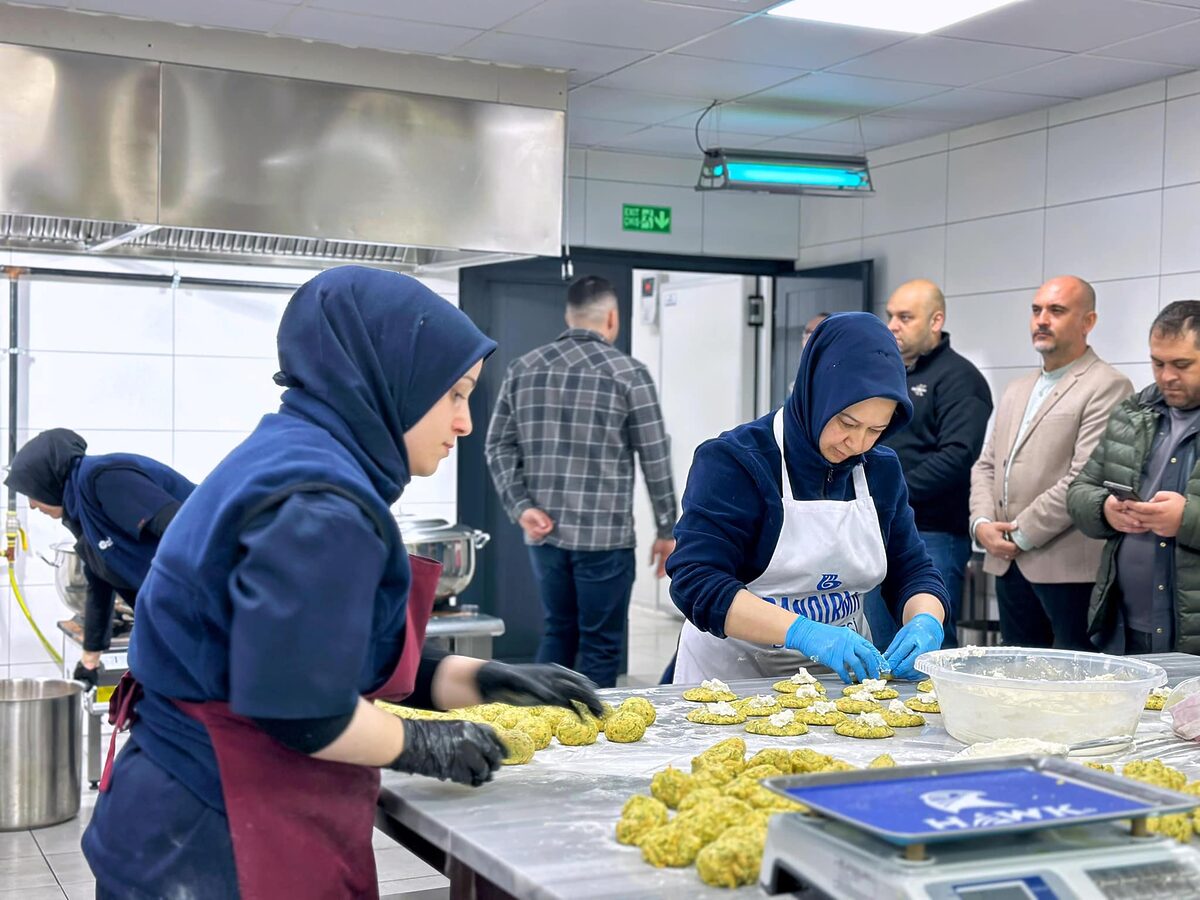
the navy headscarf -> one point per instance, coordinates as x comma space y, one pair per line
41, 468
850, 357
366, 353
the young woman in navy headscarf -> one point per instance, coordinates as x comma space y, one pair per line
117, 506
282, 602
789, 521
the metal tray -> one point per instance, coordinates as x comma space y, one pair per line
885, 802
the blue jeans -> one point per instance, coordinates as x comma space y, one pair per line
585, 597
950, 554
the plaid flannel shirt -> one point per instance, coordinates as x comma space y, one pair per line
568, 420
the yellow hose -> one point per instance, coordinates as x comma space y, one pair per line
12, 580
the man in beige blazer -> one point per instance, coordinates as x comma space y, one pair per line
1045, 428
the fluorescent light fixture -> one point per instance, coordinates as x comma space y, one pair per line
912, 16
725, 169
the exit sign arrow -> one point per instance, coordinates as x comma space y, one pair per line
651, 219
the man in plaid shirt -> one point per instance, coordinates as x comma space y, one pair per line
568, 420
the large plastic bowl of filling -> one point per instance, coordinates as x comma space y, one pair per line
990, 693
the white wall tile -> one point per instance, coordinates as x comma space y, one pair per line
47, 610
906, 255
223, 394
98, 390
1180, 286
114, 317
444, 511
1001, 128
831, 254
1115, 101
154, 444
576, 220
1181, 229
1119, 153
198, 452
1104, 240
992, 330
749, 224
442, 485
1124, 311
997, 177
994, 254
1183, 85
925, 146
45, 669
1182, 160
1141, 374
218, 322
824, 220
908, 195
604, 202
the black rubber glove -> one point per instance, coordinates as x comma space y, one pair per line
450, 751
89, 677
536, 685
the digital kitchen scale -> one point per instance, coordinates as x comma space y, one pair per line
1021, 828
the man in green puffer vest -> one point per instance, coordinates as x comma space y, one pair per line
1147, 595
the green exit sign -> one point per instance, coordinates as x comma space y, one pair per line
655, 219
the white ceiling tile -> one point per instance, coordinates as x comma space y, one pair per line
737, 6
755, 118
374, 31
676, 141
619, 23
845, 94
790, 42
948, 61
690, 76
597, 132
247, 15
468, 13
879, 131
968, 106
629, 106
806, 145
520, 49
1082, 76
1071, 25
1178, 46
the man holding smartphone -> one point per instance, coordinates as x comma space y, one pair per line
1139, 492
1046, 426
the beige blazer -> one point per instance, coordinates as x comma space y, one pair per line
1053, 449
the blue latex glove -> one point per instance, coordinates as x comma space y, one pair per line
922, 634
842, 649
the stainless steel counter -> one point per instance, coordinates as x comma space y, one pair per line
464, 633
545, 830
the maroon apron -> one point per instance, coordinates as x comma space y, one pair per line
301, 827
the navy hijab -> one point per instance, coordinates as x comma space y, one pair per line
365, 354
41, 468
850, 357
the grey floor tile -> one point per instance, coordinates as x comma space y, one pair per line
398, 862
381, 841
70, 868
62, 838
18, 844
434, 887
85, 890
25, 874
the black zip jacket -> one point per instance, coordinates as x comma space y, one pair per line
951, 407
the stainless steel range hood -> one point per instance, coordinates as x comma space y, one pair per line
106, 154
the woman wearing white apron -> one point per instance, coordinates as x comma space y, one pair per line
788, 521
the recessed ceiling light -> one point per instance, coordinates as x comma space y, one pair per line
913, 16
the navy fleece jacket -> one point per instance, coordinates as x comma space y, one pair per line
732, 512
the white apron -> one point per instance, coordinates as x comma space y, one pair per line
830, 554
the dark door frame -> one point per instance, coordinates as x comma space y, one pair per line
477, 501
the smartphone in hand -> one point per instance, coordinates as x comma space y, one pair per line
1122, 491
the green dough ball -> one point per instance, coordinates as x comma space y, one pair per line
520, 747
624, 728
671, 785
640, 816
574, 733
642, 707
538, 730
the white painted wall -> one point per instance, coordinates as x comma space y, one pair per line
177, 374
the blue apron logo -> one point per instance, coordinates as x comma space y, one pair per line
828, 583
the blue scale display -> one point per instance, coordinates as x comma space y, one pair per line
1024, 828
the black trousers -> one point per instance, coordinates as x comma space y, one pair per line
1043, 615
